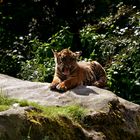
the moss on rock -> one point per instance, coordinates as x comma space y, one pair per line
53, 128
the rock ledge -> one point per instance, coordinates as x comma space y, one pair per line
109, 117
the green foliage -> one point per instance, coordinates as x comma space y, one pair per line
41, 66
90, 42
14, 52
124, 72
62, 39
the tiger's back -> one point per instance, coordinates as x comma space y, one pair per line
93, 72
69, 73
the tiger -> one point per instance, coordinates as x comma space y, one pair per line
70, 73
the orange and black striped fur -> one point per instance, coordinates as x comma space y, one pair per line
69, 73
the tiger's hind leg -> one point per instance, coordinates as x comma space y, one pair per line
99, 71
100, 83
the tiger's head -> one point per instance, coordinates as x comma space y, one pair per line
66, 61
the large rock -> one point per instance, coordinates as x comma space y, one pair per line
109, 117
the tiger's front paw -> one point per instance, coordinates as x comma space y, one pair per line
61, 87
96, 84
53, 86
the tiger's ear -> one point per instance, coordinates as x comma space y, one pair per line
78, 54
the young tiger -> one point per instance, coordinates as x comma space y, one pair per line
69, 73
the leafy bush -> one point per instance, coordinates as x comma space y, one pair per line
62, 39
124, 72
41, 66
14, 51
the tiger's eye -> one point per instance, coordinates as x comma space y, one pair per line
72, 59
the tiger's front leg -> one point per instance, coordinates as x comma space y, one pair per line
67, 84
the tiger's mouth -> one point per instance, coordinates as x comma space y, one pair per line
66, 71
